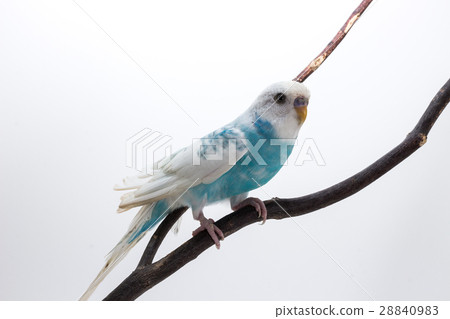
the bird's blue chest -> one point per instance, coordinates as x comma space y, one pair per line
256, 168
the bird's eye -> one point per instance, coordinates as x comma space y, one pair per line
279, 98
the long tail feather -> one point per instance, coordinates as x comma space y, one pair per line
148, 216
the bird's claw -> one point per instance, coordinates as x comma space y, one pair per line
214, 232
258, 204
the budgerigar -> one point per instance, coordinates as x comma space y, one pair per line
226, 164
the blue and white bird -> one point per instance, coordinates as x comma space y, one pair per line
226, 164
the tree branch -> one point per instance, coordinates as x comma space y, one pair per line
159, 235
317, 62
144, 278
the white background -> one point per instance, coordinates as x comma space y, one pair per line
70, 97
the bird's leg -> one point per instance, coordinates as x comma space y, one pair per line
258, 204
213, 230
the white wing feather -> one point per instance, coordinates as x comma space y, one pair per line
187, 168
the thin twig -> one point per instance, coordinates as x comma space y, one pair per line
159, 235
314, 64
145, 278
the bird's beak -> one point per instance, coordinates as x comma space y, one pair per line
302, 111
300, 106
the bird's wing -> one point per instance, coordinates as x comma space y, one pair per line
202, 162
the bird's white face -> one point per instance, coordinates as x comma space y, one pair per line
284, 104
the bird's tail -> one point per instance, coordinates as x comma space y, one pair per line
147, 217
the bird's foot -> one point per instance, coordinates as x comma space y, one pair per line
258, 204
213, 230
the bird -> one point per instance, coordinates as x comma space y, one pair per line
226, 164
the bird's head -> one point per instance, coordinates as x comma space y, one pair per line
284, 105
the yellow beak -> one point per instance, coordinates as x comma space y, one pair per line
302, 111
